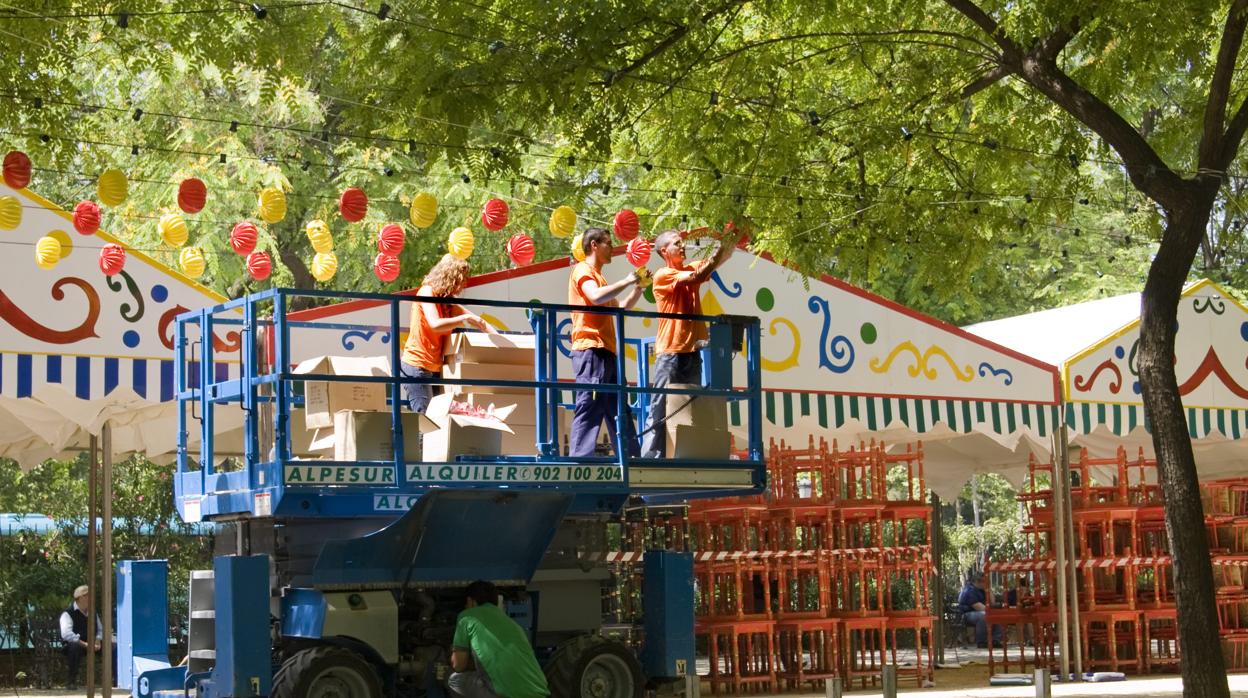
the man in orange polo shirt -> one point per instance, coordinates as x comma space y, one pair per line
677, 345
594, 343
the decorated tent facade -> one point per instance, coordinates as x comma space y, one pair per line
837, 361
1095, 344
79, 349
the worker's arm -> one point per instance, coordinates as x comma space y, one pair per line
629, 300
703, 272
484, 327
600, 295
443, 325
460, 659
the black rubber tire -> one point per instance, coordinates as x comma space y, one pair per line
567, 666
298, 674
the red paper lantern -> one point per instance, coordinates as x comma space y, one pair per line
391, 239
87, 217
191, 195
626, 225
16, 169
353, 205
259, 265
494, 214
638, 252
112, 258
386, 267
521, 249
243, 237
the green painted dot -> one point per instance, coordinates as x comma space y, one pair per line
649, 294
868, 333
765, 300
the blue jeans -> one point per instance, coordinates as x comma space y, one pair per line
417, 395
979, 619
596, 366
685, 367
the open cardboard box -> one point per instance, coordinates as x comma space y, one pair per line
461, 434
323, 399
698, 429
364, 436
483, 348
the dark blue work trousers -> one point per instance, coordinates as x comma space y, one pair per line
684, 367
597, 366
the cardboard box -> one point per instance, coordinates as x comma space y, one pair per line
322, 399
524, 406
363, 436
459, 434
482, 348
467, 370
698, 430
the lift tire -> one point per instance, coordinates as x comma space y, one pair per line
325, 672
594, 667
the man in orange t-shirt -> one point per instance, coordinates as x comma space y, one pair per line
677, 345
594, 343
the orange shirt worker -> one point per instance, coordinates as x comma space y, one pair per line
594, 343
429, 326
678, 342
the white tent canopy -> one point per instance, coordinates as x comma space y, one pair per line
838, 362
78, 349
1095, 345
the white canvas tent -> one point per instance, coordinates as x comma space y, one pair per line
838, 362
1095, 346
79, 349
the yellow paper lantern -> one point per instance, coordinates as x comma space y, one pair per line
424, 209
112, 188
460, 243
67, 245
272, 205
562, 221
47, 252
318, 234
10, 213
172, 229
578, 248
324, 265
191, 259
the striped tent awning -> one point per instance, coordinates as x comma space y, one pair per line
832, 411
93, 377
1083, 417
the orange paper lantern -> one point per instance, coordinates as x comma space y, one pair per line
353, 205
192, 193
16, 169
243, 237
391, 239
112, 258
494, 214
626, 225
87, 217
259, 265
521, 249
386, 267
638, 252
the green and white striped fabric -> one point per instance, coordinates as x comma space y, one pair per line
920, 416
1083, 417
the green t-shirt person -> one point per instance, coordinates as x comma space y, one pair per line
500, 646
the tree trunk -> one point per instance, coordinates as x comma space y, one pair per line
1202, 665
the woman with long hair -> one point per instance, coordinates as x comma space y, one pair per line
429, 326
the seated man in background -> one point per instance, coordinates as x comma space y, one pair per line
973, 602
490, 653
73, 627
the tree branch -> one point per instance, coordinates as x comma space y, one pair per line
985, 22
1234, 135
670, 40
1052, 45
987, 80
1220, 85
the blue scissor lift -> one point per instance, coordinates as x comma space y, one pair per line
325, 589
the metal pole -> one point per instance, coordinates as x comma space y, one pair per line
832, 688
1073, 557
1059, 574
938, 581
106, 613
93, 456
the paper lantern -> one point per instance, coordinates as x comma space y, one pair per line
391, 239
386, 267
259, 265
173, 230
16, 169
192, 193
67, 245
10, 213
424, 210
494, 214
47, 252
111, 188
578, 247
562, 221
521, 249
638, 252
112, 258
626, 225
272, 205
318, 234
460, 243
324, 265
191, 260
243, 237
353, 205
87, 217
